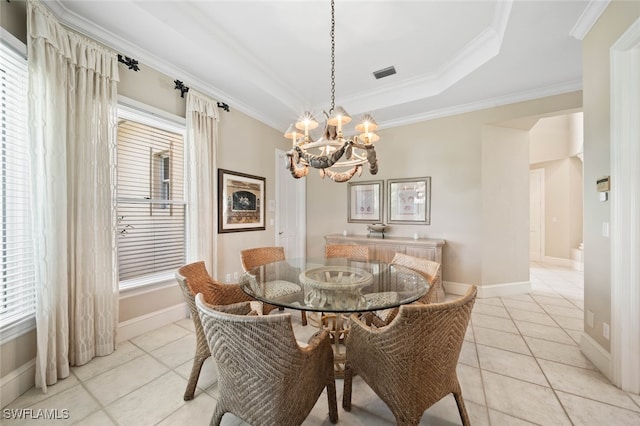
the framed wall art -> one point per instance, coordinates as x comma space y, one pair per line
364, 201
241, 200
410, 200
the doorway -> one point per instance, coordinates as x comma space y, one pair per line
290, 210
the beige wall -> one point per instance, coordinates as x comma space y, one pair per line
615, 20
247, 146
460, 154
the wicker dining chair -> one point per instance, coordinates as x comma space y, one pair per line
264, 376
258, 256
429, 269
411, 380
193, 278
349, 251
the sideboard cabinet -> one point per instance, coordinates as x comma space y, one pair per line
383, 249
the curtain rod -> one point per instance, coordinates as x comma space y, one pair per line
184, 89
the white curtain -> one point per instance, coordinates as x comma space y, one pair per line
200, 155
72, 108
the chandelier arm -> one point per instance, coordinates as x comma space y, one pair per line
296, 171
341, 176
323, 161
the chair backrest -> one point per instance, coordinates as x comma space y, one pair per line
429, 269
411, 363
349, 251
263, 375
261, 255
430, 335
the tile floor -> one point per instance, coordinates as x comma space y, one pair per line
520, 365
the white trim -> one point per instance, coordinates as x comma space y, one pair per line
490, 290
14, 43
558, 89
18, 329
151, 321
146, 114
596, 354
17, 382
504, 289
588, 18
625, 210
558, 261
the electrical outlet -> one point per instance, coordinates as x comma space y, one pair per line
605, 330
590, 318
235, 275
228, 278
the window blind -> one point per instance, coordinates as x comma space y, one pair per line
17, 279
151, 206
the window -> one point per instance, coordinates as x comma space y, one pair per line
151, 206
17, 278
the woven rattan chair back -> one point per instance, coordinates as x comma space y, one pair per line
349, 251
193, 278
429, 269
258, 256
264, 377
411, 380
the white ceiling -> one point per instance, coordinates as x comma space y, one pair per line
271, 59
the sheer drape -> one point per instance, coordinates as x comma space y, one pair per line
72, 110
200, 154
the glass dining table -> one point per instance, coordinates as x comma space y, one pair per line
333, 288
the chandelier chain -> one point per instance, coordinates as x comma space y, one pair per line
333, 57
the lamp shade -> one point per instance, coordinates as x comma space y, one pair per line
339, 116
369, 137
292, 133
306, 121
368, 124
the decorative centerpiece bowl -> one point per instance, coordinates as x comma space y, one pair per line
377, 228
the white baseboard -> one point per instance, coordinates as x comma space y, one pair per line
596, 354
490, 290
558, 261
142, 324
17, 382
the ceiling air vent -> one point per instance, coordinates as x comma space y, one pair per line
385, 72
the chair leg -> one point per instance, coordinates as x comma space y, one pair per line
303, 316
193, 378
348, 382
332, 399
462, 409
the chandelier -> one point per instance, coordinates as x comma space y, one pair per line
335, 156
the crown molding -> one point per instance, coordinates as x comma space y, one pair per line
588, 18
567, 87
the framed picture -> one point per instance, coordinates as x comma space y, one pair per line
410, 200
240, 202
365, 202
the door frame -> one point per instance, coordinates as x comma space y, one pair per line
625, 210
299, 210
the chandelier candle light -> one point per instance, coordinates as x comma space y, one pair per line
334, 156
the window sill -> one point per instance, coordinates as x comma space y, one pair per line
18, 329
138, 286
